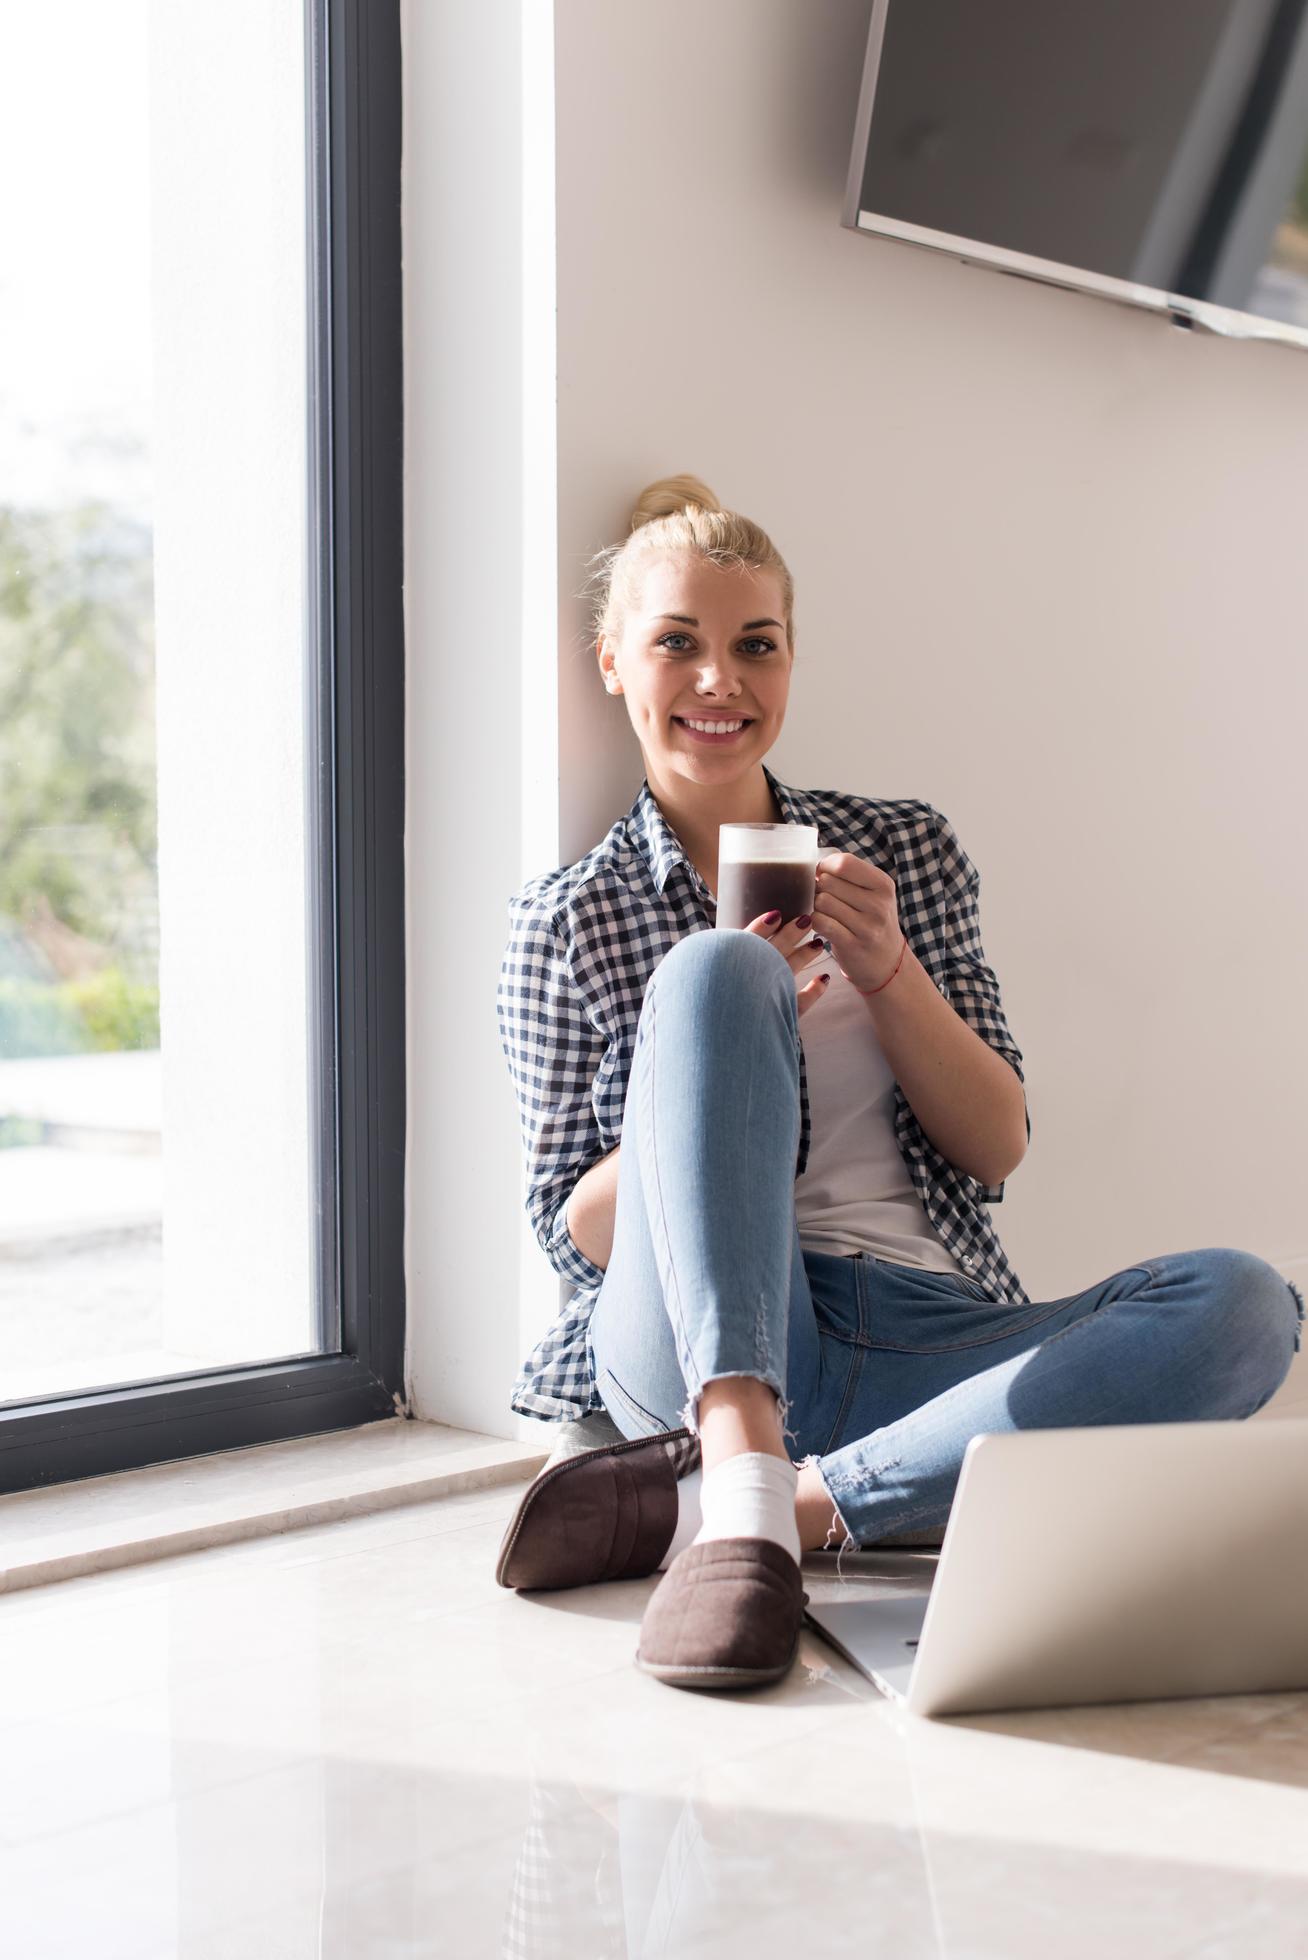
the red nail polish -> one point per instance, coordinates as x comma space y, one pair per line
770, 918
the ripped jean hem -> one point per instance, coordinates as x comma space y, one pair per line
923, 1516
848, 1543
688, 1414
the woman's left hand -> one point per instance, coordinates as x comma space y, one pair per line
856, 909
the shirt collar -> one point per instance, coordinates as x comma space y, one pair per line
661, 848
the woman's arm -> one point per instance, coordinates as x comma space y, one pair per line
966, 1097
592, 1209
553, 1051
956, 1060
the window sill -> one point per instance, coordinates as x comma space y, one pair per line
98, 1523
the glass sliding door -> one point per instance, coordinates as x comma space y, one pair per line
199, 484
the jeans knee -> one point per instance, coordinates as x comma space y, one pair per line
1260, 1311
730, 960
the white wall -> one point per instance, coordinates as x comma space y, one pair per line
481, 758
1046, 552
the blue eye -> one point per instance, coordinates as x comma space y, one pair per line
767, 646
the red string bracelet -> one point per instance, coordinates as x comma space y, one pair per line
866, 991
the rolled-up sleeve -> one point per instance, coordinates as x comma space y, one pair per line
972, 984
553, 1050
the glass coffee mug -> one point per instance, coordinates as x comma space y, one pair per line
767, 867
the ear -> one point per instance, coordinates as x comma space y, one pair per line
606, 664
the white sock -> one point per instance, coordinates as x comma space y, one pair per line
689, 1516
750, 1496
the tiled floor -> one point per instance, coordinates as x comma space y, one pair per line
347, 1741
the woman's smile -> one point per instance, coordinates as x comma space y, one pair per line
719, 731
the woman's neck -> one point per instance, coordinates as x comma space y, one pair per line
694, 811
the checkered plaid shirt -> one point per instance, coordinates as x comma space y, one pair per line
584, 941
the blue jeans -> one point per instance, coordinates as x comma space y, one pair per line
884, 1372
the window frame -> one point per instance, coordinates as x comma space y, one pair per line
354, 707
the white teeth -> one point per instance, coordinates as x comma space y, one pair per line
712, 727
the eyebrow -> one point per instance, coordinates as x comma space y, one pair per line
686, 620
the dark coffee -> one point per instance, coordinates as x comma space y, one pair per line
764, 885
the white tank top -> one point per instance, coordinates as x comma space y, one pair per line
856, 1194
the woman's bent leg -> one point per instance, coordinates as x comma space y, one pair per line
1189, 1337
706, 1279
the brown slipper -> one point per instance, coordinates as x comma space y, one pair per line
726, 1614
604, 1514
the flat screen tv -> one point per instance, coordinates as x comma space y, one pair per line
1152, 151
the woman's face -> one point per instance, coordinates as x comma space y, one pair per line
706, 644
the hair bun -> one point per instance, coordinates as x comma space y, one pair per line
669, 494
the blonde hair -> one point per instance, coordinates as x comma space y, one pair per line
680, 515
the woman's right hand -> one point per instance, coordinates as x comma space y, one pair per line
793, 939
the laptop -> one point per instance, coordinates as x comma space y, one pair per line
1126, 1562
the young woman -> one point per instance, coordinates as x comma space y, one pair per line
765, 1158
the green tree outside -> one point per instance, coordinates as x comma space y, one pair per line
78, 803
